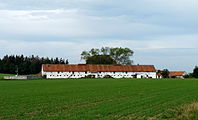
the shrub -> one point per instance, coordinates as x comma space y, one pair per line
107, 76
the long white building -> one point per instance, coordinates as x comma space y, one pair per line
98, 71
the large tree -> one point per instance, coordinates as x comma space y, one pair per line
100, 59
118, 54
195, 72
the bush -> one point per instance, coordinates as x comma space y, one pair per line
89, 76
190, 75
107, 76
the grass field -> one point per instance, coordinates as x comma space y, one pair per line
2, 75
102, 99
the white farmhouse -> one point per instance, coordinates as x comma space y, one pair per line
98, 71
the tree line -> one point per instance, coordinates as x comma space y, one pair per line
106, 55
194, 74
24, 65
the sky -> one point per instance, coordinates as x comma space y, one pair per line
160, 32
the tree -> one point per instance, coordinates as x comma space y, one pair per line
119, 55
189, 75
165, 73
100, 59
26, 65
195, 72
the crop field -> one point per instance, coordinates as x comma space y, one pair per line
99, 99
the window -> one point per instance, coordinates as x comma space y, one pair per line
72, 72
85, 72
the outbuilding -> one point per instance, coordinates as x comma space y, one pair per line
177, 74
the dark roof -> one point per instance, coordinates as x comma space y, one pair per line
99, 68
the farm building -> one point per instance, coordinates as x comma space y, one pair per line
98, 71
177, 74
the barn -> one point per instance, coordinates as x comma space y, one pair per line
98, 71
177, 74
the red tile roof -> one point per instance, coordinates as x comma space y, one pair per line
99, 68
177, 73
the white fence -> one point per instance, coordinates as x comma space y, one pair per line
21, 77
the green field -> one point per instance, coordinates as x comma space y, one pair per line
2, 75
91, 99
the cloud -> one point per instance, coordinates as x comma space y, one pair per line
161, 32
41, 22
74, 24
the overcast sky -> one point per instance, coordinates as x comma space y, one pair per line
161, 32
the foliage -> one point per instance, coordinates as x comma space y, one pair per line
93, 99
107, 76
89, 76
195, 72
26, 65
100, 59
164, 73
119, 55
189, 75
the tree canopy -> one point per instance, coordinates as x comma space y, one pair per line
26, 65
100, 59
118, 55
165, 73
195, 72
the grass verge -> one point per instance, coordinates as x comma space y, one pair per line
185, 112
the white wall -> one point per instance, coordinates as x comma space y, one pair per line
65, 74
99, 74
